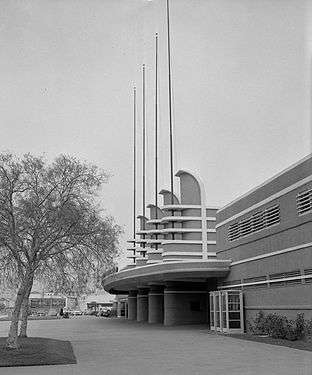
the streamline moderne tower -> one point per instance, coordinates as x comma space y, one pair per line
171, 283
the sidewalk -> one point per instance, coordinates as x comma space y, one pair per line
119, 347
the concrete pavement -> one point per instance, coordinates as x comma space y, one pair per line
118, 347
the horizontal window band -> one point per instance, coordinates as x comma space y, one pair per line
273, 253
268, 282
154, 251
187, 242
282, 307
186, 230
267, 200
148, 231
180, 207
156, 294
186, 253
170, 260
186, 218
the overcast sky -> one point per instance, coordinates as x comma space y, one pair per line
241, 79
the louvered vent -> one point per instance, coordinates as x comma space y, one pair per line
258, 221
304, 201
283, 275
255, 279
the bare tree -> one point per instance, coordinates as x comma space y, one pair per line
49, 213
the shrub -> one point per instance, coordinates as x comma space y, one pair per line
300, 326
113, 312
276, 326
308, 330
280, 327
257, 327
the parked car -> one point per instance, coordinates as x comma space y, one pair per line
52, 312
77, 312
104, 312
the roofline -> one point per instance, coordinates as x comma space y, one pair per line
266, 182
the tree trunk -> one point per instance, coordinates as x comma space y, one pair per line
24, 311
12, 337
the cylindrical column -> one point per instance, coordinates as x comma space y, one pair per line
142, 305
156, 304
132, 305
119, 309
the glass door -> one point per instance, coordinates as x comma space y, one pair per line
226, 311
212, 310
217, 311
235, 311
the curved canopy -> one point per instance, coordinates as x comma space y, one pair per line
202, 270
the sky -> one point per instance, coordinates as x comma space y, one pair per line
241, 75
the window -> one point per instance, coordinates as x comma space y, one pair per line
253, 282
258, 221
307, 272
285, 275
304, 201
255, 279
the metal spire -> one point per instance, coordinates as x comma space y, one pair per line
156, 125
134, 162
170, 102
143, 145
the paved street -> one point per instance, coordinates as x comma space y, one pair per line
117, 347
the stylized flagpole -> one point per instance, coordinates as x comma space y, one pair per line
134, 166
156, 126
156, 134
143, 147
170, 102
170, 111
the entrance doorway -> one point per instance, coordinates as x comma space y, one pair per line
226, 311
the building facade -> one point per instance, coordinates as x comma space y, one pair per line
46, 303
193, 263
267, 234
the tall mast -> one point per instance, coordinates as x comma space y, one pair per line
134, 162
134, 169
156, 126
170, 102
170, 112
143, 145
